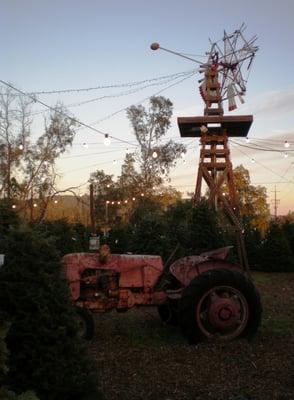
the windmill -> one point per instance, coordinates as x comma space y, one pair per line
223, 81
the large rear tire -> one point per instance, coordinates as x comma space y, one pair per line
219, 304
86, 323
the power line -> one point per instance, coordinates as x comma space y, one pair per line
259, 163
63, 113
260, 148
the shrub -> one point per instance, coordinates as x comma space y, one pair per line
46, 354
276, 254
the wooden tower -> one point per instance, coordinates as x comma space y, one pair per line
215, 167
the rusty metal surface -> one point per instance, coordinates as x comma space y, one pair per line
187, 268
135, 271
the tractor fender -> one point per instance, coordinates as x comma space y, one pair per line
187, 268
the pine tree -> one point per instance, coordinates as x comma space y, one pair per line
276, 253
204, 230
46, 354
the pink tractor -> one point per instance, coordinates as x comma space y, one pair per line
206, 295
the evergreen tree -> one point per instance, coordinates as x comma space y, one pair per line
204, 231
288, 229
46, 354
276, 253
8, 216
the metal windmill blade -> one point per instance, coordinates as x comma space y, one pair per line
232, 59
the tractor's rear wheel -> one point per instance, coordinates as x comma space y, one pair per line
86, 323
168, 312
219, 304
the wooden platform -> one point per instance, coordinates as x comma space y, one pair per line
236, 126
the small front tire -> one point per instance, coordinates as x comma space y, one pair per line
86, 323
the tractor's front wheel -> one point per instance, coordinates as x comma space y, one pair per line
86, 323
219, 304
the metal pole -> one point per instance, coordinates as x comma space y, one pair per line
92, 210
106, 213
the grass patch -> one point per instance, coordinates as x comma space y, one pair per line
261, 277
279, 325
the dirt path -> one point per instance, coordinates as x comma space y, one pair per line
139, 358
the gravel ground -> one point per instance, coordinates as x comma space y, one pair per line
138, 357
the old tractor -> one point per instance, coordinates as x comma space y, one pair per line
206, 295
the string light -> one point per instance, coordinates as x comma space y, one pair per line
154, 154
107, 140
286, 144
126, 201
116, 85
285, 155
35, 205
55, 201
107, 202
108, 185
13, 206
20, 147
134, 198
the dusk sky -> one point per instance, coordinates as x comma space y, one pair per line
54, 45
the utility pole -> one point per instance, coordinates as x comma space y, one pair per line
275, 202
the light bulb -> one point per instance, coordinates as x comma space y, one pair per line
126, 201
107, 140
114, 162
154, 154
13, 206
85, 145
20, 147
286, 144
285, 155
55, 201
247, 139
252, 160
35, 205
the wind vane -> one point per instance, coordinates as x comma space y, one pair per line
223, 81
